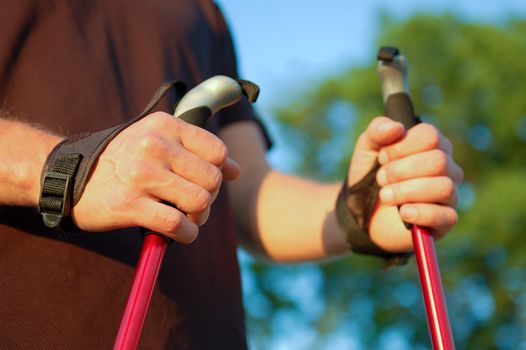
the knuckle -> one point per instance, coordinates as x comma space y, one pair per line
396, 193
448, 187
391, 173
161, 117
170, 223
219, 153
402, 193
139, 175
202, 200
439, 162
435, 221
216, 178
447, 217
453, 217
155, 120
136, 173
150, 143
363, 140
431, 135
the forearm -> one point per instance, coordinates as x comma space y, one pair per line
296, 220
23, 151
282, 217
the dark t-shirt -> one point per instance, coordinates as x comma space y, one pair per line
76, 66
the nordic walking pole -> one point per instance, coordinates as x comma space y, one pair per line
392, 69
195, 108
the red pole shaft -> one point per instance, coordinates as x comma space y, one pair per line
432, 291
148, 267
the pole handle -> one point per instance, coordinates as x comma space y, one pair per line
399, 107
393, 71
195, 108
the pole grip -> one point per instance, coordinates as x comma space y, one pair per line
399, 107
194, 108
197, 116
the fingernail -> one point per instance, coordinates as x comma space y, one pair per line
387, 195
383, 127
408, 213
381, 177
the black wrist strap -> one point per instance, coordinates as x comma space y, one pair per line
354, 208
69, 165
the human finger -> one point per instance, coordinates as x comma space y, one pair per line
183, 194
231, 170
380, 132
197, 140
204, 144
439, 218
180, 161
191, 199
201, 218
425, 164
164, 219
438, 189
420, 138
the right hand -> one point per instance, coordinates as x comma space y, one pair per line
160, 173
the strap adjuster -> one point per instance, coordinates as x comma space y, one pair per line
55, 198
57, 187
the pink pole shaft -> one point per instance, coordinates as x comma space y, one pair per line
432, 291
144, 280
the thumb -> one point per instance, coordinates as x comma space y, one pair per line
381, 132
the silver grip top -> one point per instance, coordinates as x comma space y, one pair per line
214, 93
393, 76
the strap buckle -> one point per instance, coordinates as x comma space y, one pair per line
55, 198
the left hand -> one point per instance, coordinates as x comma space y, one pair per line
417, 174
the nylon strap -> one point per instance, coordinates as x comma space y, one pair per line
57, 187
354, 208
68, 166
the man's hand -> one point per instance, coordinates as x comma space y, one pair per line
417, 174
161, 174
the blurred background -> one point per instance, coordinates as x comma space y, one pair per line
315, 62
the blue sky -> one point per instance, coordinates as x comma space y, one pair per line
287, 45
285, 42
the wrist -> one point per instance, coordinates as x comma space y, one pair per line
354, 209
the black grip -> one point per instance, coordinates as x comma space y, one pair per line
196, 116
400, 108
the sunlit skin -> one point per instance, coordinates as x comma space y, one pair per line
291, 219
161, 160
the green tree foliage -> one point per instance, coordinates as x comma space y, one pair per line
470, 80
